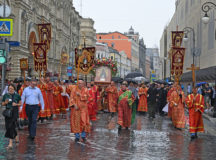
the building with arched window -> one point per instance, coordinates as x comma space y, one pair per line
67, 29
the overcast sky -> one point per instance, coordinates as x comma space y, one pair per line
148, 17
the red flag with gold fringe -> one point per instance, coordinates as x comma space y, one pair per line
177, 61
45, 31
40, 57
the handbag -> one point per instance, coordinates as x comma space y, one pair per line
7, 113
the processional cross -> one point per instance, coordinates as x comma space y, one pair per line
193, 69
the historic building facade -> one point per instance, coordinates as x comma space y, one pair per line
66, 23
189, 14
134, 38
142, 57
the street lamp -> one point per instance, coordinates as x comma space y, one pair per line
187, 30
206, 7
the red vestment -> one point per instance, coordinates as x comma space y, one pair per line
112, 97
65, 100
195, 117
168, 100
143, 106
100, 100
97, 95
49, 90
125, 109
91, 105
22, 114
47, 111
57, 98
178, 116
79, 117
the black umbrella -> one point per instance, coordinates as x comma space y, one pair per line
160, 81
117, 79
134, 75
16, 80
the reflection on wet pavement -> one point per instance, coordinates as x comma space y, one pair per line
146, 139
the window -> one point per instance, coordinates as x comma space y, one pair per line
113, 45
112, 37
119, 37
100, 37
98, 56
111, 57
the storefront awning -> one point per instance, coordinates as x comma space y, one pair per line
206, 74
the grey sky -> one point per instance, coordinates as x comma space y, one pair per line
148, 17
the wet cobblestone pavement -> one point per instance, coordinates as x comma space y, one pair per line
146, 140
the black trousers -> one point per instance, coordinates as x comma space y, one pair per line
32, 113
151, 109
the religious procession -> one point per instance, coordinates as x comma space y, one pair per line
42, 100
69, 91
30, 101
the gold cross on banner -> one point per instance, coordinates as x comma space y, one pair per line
193, 69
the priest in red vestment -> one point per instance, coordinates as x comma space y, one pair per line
177, 104
22, 114
96, 94
49, 91
169, 105
142, 92
65, 98
57, 98
80, 123
195, 103
91, 103
125, 102
47, 112
112, 96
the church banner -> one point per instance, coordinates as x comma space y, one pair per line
64, 58
84, 59
40, 57
24, 64
177, 37
177, 61
45, 31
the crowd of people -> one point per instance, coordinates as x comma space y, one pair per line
43, 100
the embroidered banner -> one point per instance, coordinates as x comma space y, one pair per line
177, 61
40, 57
64, 58
45, 31
24, 64
84, 59
177, 37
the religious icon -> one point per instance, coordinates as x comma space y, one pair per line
103, 74
40, 53
24, 64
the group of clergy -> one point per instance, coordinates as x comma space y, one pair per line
86, 100
178, 101
54, 96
